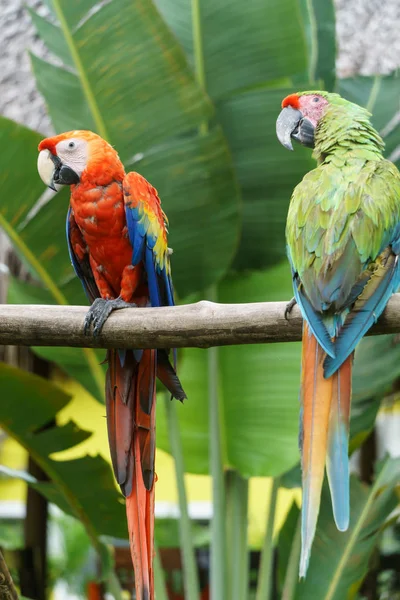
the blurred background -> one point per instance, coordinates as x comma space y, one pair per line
188, 92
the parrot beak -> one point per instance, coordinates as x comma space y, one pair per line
53, 173
291, 124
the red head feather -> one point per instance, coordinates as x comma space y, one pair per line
48, 144
51, 142
293, 100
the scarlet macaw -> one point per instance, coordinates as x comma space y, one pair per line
343, 242
117, 240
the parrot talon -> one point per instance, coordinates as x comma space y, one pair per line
99, 312
289, 308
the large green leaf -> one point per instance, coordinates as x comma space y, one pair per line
238, 45
339, 560
266, 171
258, 387
83, 487
196, 180
240, 50
319, 23
20, 184
139, 94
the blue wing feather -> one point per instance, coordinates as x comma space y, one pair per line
363, 317
152, 278
168, 287
143, 243
137, 234
145, 223
314, 319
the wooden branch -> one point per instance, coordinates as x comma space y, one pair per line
198, 325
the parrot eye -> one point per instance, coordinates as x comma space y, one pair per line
71, 145
315, 99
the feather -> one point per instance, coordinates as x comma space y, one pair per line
152, 279
337, 460
167, 375
81, 266
119, 406
316, 394
169, 290
131, 431
366, 310
313, 318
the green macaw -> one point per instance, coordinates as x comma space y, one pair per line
343, 243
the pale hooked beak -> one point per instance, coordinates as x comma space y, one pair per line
292, 125
46, 169
53, 173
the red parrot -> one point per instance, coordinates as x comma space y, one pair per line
117, 240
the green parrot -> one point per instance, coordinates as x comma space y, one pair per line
343, 244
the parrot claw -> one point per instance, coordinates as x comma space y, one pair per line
99, 312
289, 308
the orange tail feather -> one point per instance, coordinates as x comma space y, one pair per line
324, 439
316, 394
131, 391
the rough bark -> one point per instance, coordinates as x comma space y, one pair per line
199, 325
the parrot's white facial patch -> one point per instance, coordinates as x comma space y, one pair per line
74, 154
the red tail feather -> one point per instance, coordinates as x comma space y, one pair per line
131, 433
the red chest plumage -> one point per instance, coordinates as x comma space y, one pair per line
100, 215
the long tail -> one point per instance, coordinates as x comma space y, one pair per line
324, 437
337, 460
130, 397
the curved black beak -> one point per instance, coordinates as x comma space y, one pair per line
291, 124
62, 174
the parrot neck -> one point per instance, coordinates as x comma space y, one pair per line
347, 135
104, 167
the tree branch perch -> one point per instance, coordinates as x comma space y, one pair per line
198, 325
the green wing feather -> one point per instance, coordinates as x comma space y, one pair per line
339, 221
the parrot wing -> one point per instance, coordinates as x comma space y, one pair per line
80, 258
376, 235
147, 229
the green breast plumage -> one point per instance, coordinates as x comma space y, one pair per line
341, 216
